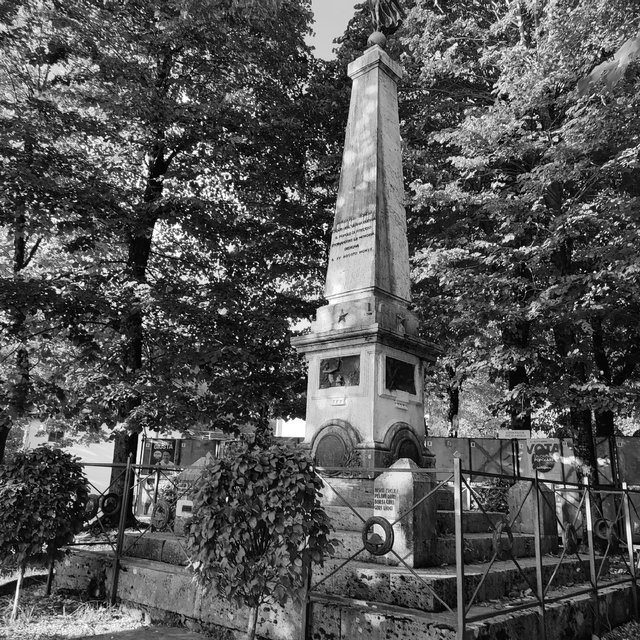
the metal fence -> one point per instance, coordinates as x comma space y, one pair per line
117, 520
597, 526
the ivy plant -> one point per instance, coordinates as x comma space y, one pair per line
42, 496
258, 525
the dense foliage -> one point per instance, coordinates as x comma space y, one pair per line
159, 236
526, 204
257, 527
167, 174
42, 496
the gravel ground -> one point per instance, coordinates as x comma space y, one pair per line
59, 617
630, 631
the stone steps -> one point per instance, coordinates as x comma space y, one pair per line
416, 590
341, 618
478, 547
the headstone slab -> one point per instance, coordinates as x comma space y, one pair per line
395, 494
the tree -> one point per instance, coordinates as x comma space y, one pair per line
540, 190
258, 526
179, 297
46, 199
42, 496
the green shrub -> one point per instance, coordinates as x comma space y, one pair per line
257, 527
42, 496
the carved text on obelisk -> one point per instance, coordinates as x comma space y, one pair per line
353, 237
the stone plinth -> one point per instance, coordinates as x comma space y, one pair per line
396, 493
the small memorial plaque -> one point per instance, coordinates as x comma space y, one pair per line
399, 376
340, 372
401, 497
386, 500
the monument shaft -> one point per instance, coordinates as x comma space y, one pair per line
365, 386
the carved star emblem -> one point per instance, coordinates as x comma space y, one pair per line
343, 316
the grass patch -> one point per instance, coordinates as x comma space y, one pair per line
59, 617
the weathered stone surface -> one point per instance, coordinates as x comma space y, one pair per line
395, 496
345, 518
174, 552
473, 521
357, 492
522, 497
86, 573
365, 357
382, 603
369, 242
398, 586
149, 545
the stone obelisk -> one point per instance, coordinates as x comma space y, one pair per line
365, 359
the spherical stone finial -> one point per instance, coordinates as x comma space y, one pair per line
377, 37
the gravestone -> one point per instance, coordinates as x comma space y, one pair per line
395, 496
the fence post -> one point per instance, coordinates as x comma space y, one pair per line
457, 495
537, 530
629, 535
121, 527
156, 486
591, 549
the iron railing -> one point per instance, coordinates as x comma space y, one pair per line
598, 531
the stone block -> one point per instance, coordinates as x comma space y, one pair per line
358, 492
344, 518
522, 493
147, 545
174, 552
396, 494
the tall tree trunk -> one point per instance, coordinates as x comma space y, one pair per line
4, 434
20, 387
453, 412
580, 417
516, 336
16, 597
139, 242
605, 426
252, 623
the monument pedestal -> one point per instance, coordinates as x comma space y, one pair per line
399, 498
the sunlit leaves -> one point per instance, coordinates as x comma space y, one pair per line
258, 526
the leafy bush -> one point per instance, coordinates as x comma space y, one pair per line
258, 524
42, 496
